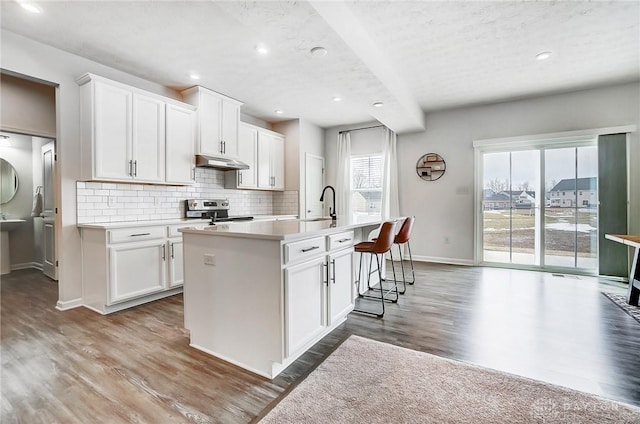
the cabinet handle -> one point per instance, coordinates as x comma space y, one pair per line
309, 249
131, 168
221, 151
240, 176
224, 147
172, 255
140, 234
344, 240
333, 277
193, 172
326, 273
135, 168
164, 252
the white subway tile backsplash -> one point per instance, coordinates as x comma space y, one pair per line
110, 202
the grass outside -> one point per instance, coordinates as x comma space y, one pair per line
560, 227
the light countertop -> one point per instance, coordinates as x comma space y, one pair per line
287, 230
176, 221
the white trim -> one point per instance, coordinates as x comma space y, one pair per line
68, 304
566, 136
450, 261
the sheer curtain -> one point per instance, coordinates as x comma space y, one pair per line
390, 207
343, 177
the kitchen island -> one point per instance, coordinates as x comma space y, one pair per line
259, 294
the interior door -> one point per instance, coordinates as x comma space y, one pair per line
49, 267
313, 181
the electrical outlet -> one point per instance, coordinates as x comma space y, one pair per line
446, 240
209, 259
156, 201
111, 201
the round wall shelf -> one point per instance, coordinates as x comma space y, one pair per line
431, 167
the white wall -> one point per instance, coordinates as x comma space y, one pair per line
26, 57
444, 208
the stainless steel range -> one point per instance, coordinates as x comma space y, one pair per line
215, 209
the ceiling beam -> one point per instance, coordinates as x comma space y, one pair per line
403, 114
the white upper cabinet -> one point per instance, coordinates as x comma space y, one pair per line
248, 153
148, 141
126, 136
181, 131
218, 122
111, 132
270, 160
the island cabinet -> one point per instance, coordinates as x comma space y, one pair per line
218, 122
260, 301
130, 135
124, 267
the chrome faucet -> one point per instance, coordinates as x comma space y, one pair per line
331, 214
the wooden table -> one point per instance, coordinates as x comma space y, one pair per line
634, 276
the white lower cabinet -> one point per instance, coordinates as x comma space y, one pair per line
126, 267
340, 286
176, 262
305, 300
136, 269
317, 292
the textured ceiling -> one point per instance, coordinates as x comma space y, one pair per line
413, 56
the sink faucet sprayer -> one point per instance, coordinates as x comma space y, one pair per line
331, 214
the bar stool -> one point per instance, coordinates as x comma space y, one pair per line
403, 237
378, 247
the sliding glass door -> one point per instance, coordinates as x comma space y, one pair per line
539, 207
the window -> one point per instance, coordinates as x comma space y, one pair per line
366, 186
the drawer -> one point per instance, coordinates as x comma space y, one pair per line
125, 235
301, 250
339, 241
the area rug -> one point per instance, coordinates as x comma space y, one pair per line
365, 381
621, 301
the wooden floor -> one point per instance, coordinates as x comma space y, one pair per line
135, 366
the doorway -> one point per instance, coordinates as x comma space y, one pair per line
540, 206
314, 182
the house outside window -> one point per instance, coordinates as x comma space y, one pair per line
366, 186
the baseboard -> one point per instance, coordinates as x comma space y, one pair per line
69, 304
26, 265
450, 261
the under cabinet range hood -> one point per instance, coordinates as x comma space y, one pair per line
217, 162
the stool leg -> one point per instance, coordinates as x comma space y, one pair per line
395, 280
381, 290
359, 276
411, 261
404, 280
394, 272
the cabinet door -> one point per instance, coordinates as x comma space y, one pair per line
264, 160
148, 144
248, 153
180, 145
230, 128
210, 116
136, 269
340, 285
176, 263
277, 162
305, 303
112, 132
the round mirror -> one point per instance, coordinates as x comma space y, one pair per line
8, 181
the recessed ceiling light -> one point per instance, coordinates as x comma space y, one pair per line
318, 52
279, 112
194, 76
30, 7
378, 104
337, 99
262, 49
543, 55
